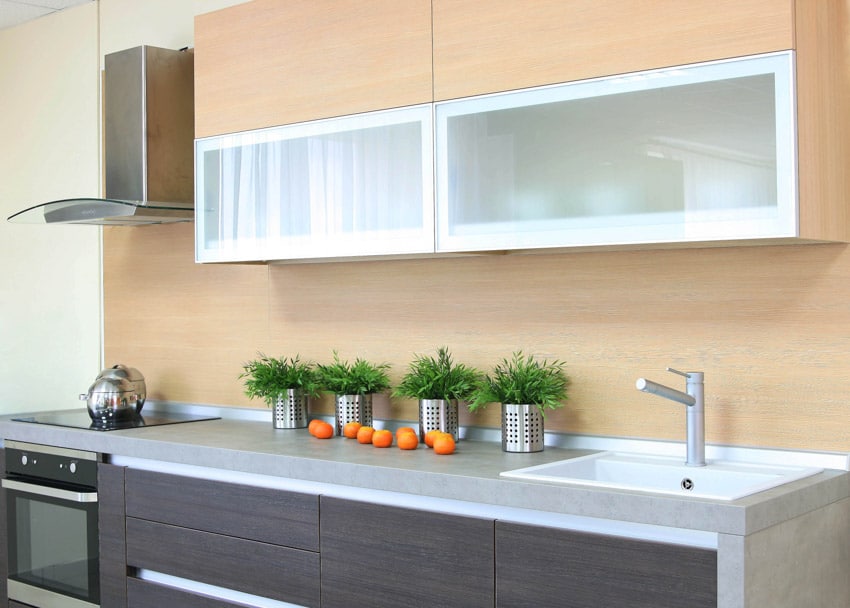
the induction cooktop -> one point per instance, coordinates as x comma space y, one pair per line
80, 419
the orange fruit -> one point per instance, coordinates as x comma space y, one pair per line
312, 426
350, 429
382, 438
407, 441
323, 430
444, 444
404, 429
431, 435
364, 434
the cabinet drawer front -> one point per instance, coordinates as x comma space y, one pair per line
272, 516
144, 594
538, 566
288, 575
376, 555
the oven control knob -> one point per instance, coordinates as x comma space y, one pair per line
72, 467
24, 459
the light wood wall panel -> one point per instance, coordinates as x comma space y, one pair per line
770, 326
509, 44
187, 328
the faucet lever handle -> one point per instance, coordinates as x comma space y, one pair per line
675, 371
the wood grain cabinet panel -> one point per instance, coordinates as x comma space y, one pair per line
280, 573
113, 550
267, 63
279, 517
539, 566
503, 45
376, 555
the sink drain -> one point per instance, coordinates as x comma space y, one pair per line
687, 484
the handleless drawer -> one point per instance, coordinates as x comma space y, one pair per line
266, 570
289, 519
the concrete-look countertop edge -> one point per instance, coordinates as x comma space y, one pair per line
471, 474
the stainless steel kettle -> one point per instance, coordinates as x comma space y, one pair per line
118, 393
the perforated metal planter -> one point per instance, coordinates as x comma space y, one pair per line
290, 410
522, 428
352, 408
439, 415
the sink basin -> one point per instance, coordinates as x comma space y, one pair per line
721, 480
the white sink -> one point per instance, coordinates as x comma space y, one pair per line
722, 480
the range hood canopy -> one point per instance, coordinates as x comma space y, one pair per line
148, 119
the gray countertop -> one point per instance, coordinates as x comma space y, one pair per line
470, 474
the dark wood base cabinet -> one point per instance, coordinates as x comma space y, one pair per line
378, 556
539, 566
253, 540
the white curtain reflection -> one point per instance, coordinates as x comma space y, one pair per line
356, 181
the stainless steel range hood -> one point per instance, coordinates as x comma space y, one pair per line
148, 119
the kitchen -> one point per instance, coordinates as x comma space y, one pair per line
764, 322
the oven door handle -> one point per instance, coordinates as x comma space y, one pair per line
31, 488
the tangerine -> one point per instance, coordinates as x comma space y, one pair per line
404, 429
444, 444
323, 430
364, 434
431, 435
350, 429
407, 441
312, 426
382, 438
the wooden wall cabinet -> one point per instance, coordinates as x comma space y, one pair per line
268, 63
377, 555
252, 540
540, 566
511, 45
345, 60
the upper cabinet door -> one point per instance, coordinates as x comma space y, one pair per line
341, 187
267, 62
690, 154
500, 45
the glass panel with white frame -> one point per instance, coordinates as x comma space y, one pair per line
350, 186
696, 153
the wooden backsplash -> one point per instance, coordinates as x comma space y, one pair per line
770, 326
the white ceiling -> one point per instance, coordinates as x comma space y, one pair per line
14, 12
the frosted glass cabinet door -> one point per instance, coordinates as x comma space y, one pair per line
698, 153
352, 186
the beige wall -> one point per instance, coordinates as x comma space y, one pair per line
50, 293
50, 288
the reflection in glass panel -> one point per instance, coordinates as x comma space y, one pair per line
704, 146
321, 184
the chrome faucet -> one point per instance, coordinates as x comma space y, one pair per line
695, 402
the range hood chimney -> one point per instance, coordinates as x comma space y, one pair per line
148, 120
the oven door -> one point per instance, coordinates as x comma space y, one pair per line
53, 545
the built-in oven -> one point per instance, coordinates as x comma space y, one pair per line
51, 526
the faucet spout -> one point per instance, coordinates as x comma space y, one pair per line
648, 386
695, 401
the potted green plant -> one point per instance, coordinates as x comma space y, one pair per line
438, 383
285, 384
353, 385
526, 387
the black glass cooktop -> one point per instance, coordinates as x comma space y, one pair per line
80, 419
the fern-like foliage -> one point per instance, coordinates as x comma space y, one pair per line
267, 377
522, 379
438, 377
358, 378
